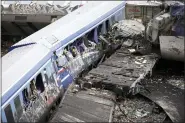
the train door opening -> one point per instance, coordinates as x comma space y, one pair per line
9, 114
39, 83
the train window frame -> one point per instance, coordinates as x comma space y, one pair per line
12, 119
32, 90
113, 19
99, 29
104, 28
18, 108
90, 35
24, 97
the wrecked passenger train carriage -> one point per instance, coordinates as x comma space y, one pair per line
38, 69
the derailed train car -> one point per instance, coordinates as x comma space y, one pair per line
38, 69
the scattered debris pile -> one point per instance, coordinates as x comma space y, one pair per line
138, 109
82, 104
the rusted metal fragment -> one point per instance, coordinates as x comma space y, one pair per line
169, 97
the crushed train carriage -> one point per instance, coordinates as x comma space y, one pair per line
38, 69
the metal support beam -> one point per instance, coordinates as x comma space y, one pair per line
32, 26
25, 33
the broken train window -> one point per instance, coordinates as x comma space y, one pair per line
62, 59
73, 50
25, 98
33, 90
99, 29
39, 84
90, 35
80, 45
107, 25
67, 53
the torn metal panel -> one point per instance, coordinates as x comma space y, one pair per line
169, 97
166, 88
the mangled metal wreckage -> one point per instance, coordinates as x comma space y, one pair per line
112, 81
116, 90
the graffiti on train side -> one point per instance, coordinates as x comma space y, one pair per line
36, 102
39, 104
77, 58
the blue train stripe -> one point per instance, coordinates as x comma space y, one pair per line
17, 46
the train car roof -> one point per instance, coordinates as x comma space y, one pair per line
14, 56
80, 15
59, 23
63, 31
